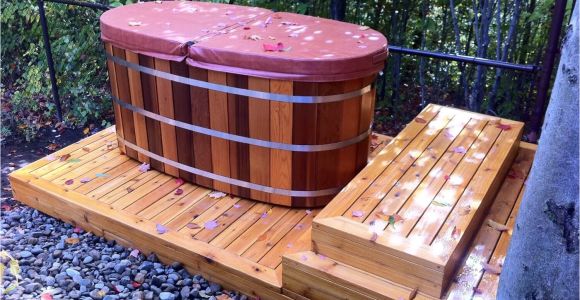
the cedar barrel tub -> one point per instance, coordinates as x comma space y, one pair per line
276, 107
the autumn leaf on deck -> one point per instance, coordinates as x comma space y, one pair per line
439, 203
64, 157
86, 149
192, 226
144, 167
160, 228
455, 233
69, 182
374, 237
237, 205
420, 120
357, 213
308, 211
492, 268
85, 180
464, 210
178, 192
212, 224
179, 181
497, 226
275, 47
253, 37
504, 127
394, 218
460, 150
216, 195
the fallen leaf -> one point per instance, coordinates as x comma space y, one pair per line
101, 175
64, 157
85, 180
374, 237
465, 210
303, 257
267, 22
52, 147
69, 182
275, 47
178, 192
46, 296
455, 233
505, 127
212, 224
237, 205
86, 131
5, 207
288, 23
420, 120
144, 167
216, 195
357, 213
514, 174
308, 211
491, 268
129, 189
135, 23
264, 215
74, 160
497, 226
72, 240
395, 218
289, 245
86, 149
135, 253
179, 181
109, 145
77, 230
247, 28
459, 149
192, 226
363, 28
253, 37
160, 228
446, 177
439, 203
135, 284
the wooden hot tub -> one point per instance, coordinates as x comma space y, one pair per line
276, 107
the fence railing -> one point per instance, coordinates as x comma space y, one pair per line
543, 85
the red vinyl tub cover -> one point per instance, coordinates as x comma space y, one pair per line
247, 40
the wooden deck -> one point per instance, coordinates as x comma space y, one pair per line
236, 242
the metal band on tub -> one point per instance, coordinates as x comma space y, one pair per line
228, 180
239, 138
240, 91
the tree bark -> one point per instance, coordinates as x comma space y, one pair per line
542, 260
338, 9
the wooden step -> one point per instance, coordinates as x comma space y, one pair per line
314, 276
410, 214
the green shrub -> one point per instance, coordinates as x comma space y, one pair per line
79, 63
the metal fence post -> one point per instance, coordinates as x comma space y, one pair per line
50, 62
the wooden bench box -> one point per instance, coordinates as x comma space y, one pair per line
411, 213
275, 107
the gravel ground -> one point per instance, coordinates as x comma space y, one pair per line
58, 261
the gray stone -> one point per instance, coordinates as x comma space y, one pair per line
140, 277
25, 254
185, 292
74, 294
166, 296
87, 260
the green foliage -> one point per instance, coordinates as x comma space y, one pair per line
82, 77
79, 63
6, 260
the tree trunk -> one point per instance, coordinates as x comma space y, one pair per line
338, 9
542, 260
424, 8
482, 38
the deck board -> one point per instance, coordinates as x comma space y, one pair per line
244, 252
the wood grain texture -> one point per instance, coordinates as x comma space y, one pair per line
200, 116
259, 118
166, 109
239, 125
137, 100
115, 93
150, 103
220, 148
281, 131
182, 112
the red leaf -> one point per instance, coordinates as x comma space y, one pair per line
179, 181
513, 174
6, 207
247, 28
192, 226
178, 192
503, 126
69, 182
46, 296
420, 120
447, 177
274, 47
160, 228
77, 230
455, 233
64, 157
135, 284
374, 237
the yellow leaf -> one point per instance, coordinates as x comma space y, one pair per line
86, 131
72, 240
14, 268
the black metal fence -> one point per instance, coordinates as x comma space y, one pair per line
543, 85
